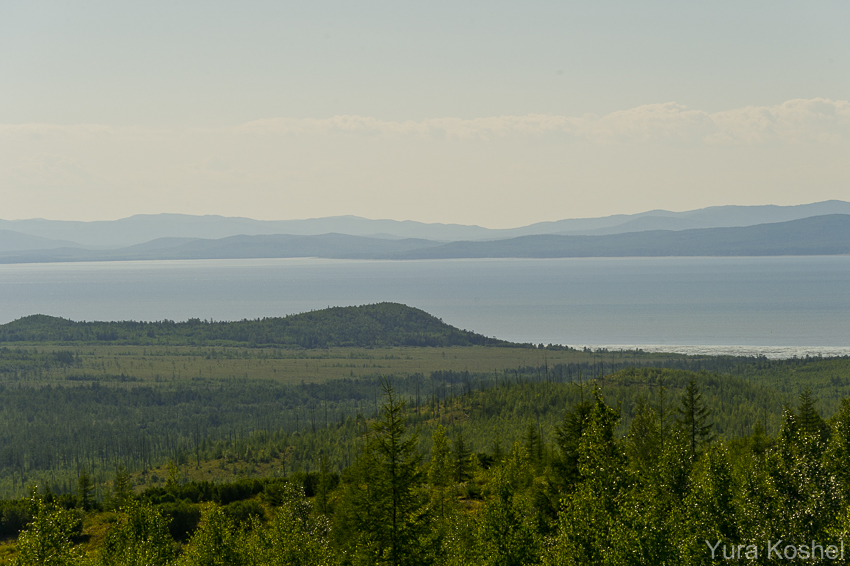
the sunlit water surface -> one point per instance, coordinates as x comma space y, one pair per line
776, 306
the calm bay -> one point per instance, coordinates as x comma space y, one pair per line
793, 305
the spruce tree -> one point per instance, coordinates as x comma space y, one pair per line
121, 489
567, 436
85, 488
693, 417
591, 509
533, 445
461, 455
382, 512
809, 420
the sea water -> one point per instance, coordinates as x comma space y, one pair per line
777, 306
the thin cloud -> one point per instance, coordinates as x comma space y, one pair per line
794, 121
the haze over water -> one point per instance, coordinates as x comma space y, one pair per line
780, 306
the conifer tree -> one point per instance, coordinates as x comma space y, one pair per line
441, 472
838, 453
498, 452
534, 445
644, 440
809, 421
663, 411
382, 514
759, 440
173, 481
121, 490
460, 455
440, 469
567, 436
85, 488
591, 510
505, 533
217, 542
693, 417
709, 508
323, 486
807, 494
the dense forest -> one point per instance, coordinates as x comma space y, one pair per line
91, 410
670, 490
383, 324
187, 447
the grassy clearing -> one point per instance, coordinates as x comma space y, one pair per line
145, 364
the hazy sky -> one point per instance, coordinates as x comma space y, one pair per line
491, 113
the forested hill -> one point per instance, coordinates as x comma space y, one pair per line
382, 324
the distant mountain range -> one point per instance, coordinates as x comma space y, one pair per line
813, 229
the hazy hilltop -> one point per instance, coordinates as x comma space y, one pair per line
143, 228
818, 228
818, 235
711, 217
11, 241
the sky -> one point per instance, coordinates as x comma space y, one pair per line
493, 113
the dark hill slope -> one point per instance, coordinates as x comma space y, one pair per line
382, 324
